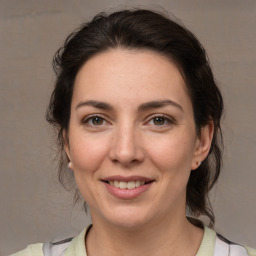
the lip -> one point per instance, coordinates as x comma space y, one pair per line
126, 179
127, 193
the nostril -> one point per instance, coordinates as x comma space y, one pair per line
126, 152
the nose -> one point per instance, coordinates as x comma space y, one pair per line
126, 146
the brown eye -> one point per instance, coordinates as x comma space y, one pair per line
94, 121
97, 120
159, 120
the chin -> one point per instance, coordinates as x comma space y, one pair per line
130, 219
130, 224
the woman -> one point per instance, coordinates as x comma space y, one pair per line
138, 114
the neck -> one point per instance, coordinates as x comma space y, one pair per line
170, 237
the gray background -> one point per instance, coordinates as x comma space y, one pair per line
34, 207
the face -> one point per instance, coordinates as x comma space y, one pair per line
132, 140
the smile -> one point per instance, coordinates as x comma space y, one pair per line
126, 185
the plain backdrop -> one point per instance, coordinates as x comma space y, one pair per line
34, 208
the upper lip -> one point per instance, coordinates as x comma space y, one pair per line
127, 179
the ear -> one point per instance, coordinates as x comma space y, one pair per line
66, 147
203, 145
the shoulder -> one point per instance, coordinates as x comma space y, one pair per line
68, 247
31, 250
251, 251
222, 244
77, 245
217, 245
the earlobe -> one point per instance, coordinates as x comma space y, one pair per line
204, 144
66, 149
66, 144
70, 166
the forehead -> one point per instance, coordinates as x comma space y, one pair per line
130, 74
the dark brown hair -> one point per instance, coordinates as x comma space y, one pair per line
144, 29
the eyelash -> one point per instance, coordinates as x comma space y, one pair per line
167, 120
91, 118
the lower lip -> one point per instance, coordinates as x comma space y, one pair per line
127, 193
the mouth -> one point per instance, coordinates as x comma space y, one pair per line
127, 185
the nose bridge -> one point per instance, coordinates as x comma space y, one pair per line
126, 144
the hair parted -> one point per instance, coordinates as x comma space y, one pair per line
144, 30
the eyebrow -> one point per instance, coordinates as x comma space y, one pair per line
143, 107
95, 104
159, 104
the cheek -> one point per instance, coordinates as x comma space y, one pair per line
171, 154
87, 153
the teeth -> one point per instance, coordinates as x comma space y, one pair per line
123, 185
137, 183
126, 185
131, 185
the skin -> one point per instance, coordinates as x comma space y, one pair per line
128, 137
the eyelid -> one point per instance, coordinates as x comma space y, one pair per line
88, 117
168, 118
